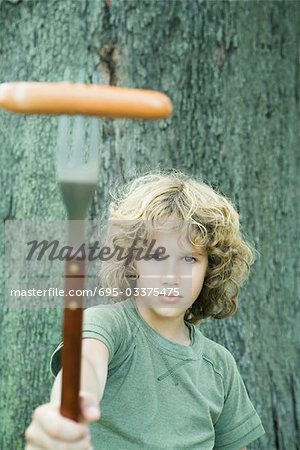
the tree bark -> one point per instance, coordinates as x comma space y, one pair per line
232, 72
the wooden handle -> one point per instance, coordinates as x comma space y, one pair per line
72, 337
92, 99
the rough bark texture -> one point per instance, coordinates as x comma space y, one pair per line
232, 71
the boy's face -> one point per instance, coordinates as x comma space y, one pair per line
181, 274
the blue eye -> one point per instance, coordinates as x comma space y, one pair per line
193, 258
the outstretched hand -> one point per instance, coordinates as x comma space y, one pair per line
50, 430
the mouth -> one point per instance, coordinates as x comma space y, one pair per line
170, 298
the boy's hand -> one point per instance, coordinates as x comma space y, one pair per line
50, 430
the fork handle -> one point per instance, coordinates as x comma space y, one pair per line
72, 330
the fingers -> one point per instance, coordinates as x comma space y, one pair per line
90, 410
32, 447
50, 420
49, 430
37, 439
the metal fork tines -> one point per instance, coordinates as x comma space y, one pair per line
77, 163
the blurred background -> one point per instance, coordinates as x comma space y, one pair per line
231, 69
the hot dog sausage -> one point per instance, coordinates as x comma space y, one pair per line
86, 99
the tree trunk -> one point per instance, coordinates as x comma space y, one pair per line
232, 71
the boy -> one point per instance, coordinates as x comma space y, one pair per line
161, 383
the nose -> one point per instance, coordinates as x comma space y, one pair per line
169, 271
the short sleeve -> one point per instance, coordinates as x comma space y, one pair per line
105, 323
238, 423
55, 360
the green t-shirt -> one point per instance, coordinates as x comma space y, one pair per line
163, 395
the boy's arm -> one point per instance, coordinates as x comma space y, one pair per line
93, 371
48, 428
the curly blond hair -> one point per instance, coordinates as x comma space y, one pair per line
210, 222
